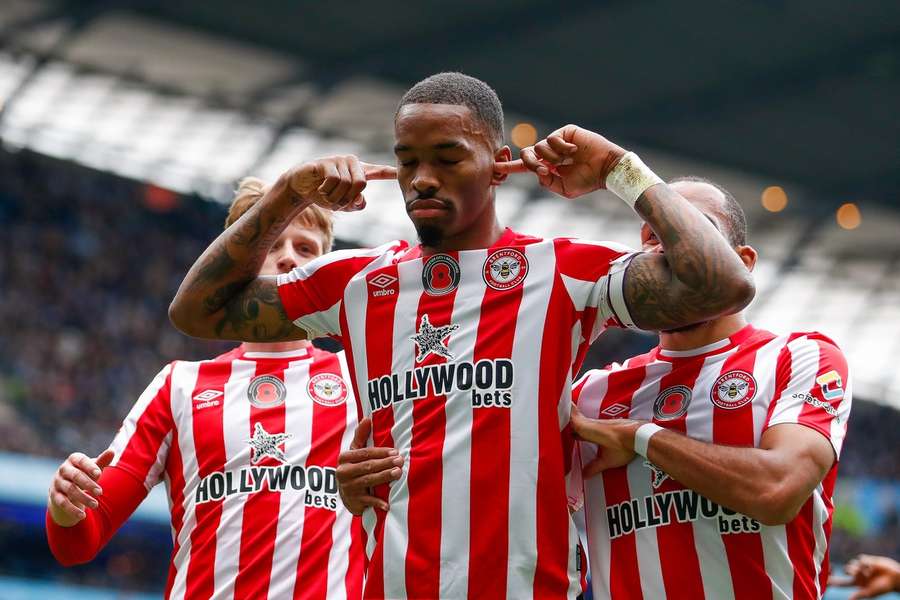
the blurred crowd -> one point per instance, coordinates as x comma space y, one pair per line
88, 265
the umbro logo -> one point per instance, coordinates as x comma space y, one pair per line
383, 284
207, 395
207, 398
614, 410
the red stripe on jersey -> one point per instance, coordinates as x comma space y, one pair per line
209, 447
328, 425
260, 520
379, 356
426, 468
680, 564
489, 483
734, 427
801, 545
625, 580
353, 581
551, 578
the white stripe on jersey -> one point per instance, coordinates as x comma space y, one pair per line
524, 420
395, 527
130, 423
340, 544
765, 369
646, 542
298, 422
235, 430
780, 571
820, 516
184, 380
714, 568
457, 449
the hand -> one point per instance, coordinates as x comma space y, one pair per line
75, 487
361, 468
616, 434
571, 161
337, 182
874, 575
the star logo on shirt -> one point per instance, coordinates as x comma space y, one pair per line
266, 444
658, 474
430, 339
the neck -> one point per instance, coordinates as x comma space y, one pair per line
482, 233
277, 346
703, 333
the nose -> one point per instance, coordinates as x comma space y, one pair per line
287, 260
425, 182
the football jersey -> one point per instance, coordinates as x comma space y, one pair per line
464, 360
651, 537
247, 444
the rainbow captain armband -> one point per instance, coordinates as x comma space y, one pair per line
630, 178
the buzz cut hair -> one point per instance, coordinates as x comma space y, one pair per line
462, 90
733, 213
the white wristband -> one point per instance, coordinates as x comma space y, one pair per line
630, 178
642, 437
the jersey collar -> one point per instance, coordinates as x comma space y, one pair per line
714, 348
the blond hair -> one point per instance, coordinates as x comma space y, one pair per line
251, 189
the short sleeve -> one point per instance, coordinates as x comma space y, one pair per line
813, 389
312, 294
593, 274
142, 443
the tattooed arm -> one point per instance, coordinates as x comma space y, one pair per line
222, 296
699, 277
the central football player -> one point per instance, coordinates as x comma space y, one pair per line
463, 347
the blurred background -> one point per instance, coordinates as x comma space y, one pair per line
125, 125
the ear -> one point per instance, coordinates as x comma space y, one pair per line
748, 255
504, 154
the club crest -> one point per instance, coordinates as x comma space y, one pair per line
327, 389
733, 390
505, 269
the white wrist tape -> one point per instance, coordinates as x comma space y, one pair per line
642, 437
630, 178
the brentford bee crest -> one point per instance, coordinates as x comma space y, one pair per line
733, 390
505, 269
327, 389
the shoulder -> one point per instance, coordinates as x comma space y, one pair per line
343, 260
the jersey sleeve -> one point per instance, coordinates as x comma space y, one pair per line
594, 274
122, 493
813, 389
142, 444
312, 293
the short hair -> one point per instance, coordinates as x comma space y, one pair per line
735, 218
251, 189
463, 90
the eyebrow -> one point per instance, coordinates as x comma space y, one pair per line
442, 146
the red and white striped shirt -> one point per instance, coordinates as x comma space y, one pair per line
648, 535
465, 361
247, 444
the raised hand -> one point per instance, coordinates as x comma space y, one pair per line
361, 468
337, 182
74, 487
571, 161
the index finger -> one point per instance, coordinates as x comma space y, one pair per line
374, 172
512, 166
364, 454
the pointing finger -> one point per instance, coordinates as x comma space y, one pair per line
374, 172
361, 435
513, 166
